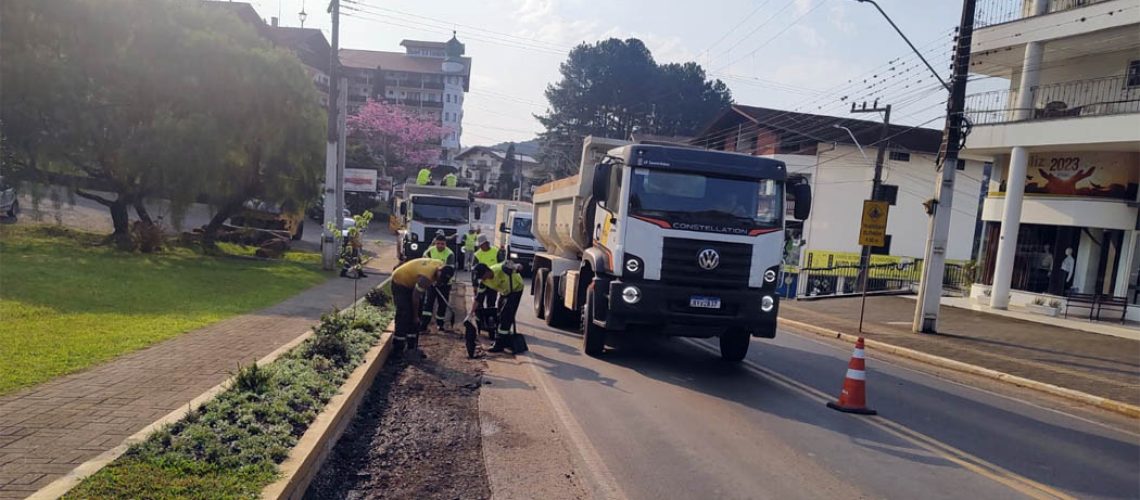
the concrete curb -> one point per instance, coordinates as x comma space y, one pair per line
311, 451
64, 484
1103, 403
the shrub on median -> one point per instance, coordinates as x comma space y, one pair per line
230, 447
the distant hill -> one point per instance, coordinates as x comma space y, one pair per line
529, 148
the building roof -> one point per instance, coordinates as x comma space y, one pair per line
242, 10
399, 61
309, 44
820, 128
423, 43
500, 155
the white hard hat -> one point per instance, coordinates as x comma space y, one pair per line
482, 239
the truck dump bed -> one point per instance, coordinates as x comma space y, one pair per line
558, 204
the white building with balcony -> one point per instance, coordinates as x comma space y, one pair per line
1064, 138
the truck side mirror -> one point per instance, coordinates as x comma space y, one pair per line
503, 228
601, 181
478, 213
802, 195
403, 208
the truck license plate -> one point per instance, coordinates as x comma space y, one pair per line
704, 302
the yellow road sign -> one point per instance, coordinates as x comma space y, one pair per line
873, 230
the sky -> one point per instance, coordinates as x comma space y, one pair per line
814, 56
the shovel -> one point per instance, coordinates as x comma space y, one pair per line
470, 330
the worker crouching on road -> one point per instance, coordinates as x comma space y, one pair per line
440, 252
410, 282
505, 280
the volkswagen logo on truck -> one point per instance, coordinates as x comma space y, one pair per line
708, 259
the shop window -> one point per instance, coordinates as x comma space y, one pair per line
899, 156
1133, 74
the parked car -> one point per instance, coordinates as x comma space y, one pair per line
9, 205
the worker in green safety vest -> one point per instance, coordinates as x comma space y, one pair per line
434, 303
487, 255
469, 246
424, 177
505, 280
450, 180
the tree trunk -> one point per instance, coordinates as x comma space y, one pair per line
121, 220
140, 210
210, 232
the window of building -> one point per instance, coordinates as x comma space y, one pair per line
1133, 79
899, 156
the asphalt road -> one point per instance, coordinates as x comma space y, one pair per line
668, 419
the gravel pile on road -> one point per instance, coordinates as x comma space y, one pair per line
417, 433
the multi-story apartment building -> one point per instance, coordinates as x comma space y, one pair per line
429, 78
1061, 216
827, 157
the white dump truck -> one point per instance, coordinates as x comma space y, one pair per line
664, 239
427, 210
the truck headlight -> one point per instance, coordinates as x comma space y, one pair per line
514, 255
766, 303
414, 246
631, 295
769, 276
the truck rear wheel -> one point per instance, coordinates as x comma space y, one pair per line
538, 290
593, 336
557, 315
734, 345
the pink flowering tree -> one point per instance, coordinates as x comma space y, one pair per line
400, 141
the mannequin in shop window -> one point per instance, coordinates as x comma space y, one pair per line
1067, 266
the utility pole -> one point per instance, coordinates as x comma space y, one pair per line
934, 262
332, 219
875, 191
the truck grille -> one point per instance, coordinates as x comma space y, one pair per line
679, 263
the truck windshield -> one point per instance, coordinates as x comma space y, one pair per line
442, 214
521, 228
728, 203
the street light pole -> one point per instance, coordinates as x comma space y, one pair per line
941, 206
332, 216
934, 261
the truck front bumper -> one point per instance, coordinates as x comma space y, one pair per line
668, 307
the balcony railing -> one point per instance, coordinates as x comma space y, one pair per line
1097, 97
991, 12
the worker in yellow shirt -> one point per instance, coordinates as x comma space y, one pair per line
424, 177
505, 280
410, 282
440, 252
450, 180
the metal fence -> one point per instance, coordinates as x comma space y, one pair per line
1094, 97
991, 12
844, 280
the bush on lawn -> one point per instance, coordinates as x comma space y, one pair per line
230, 447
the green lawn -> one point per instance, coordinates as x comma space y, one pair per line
67, 302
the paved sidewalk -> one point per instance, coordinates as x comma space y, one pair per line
48, 430
1096, 364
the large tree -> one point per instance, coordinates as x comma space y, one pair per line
614, 87
147, 98
398, 141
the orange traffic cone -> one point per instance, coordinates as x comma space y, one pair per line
853, 397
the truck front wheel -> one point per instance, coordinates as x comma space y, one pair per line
538, 291
593, 336
734, 345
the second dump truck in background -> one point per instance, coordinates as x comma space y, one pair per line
670, 239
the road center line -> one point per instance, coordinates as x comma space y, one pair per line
967, 461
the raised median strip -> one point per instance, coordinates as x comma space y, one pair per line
299, 466
1120, 407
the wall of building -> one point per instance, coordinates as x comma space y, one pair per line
842, 180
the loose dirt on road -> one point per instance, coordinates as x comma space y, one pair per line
417, 432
